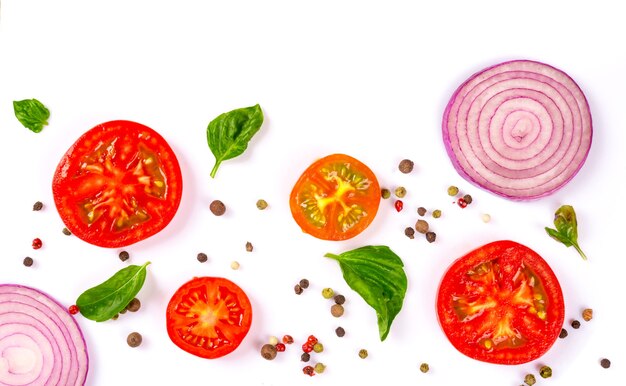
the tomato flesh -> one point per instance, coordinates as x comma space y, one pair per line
336, 198
501, 303
208, 317
119, 183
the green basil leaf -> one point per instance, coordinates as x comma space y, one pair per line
106, 300
32, 114
376, 273
228, 134
566, 230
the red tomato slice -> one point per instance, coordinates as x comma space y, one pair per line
208, 317
336, 198
501, 303
119, 183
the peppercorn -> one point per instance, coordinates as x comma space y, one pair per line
385, 193
328, 293
462, 203
400, 191
134, 305
453, 190
587, 314
28, 261
280, 347
563, 333
304, 283
305, 357
336, 310
73, 309
134, 339
530, 380
297, 289
468, 199
409, 232
575, 324
318, 347
436, 213
406, 166
268, 351
249, 247
339, 299
66, 232
340, 332
398, 205
308, 370
37, 206
307, 347
431, 236
37, 243
288, 339
115, 317
311, 339
421, 226
261, 204
234, 265
202, 257
363, 353
124, 255
545, 371
605, 363
485, 217
217, 207
424, 367
319, 368
421, 211
273, 340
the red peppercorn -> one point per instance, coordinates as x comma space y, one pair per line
399, 205
73, 309
312, 339
309, 370
280, 347
462, 203
308, 347
288, 339
37, 243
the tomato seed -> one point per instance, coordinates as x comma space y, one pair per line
73, 309
268, 351
28, 261
37, 206
37, 243
134, 339
398, 205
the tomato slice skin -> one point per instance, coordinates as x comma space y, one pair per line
501, 303
335, 198
208, 317
118, 184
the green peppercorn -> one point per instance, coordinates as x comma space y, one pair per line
530, 380
217, 207
339, 299
406, 166
436, 213
363, 353
453, 191
336, 310
328, 293
202, 257
261, 204
421, 211
66, 232
319, 368
134, 339
400, 192
249, 246
545, 371
409, 232
124, 255
37, 206
318, 347
421, 226
268, 351
385, 193
340, 332
424, 367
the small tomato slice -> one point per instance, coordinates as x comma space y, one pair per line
336, 198
208, 317
119, 183
501, 303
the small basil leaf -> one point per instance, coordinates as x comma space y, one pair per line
228, 134
566, 230
106, 300
32, 114
376, 273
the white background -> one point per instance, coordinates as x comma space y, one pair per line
370, 79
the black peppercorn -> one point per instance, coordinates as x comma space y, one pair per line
409, 232
406, 166
297, 289
134, 339
304, 283
605, 363
340, 299
124, 255
575, 324
563, 333
268, 351
421, 211
134, 305
28, 261
37, 206
340, 332
202, 257
217, 207
431, 236
305, 357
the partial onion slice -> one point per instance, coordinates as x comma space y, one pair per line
520, 129
40, 342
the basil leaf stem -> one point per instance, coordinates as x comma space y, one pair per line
566, 231
32, 114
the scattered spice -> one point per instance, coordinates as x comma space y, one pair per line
311, 339
409, 232
320, 367
217, 207
468, 199
462, 203
400, 192
406, 166
304, 283
297, 289
115, 317
318, 347
339, 299
134, 339
563, 333
28, 261
249, 247
431, 236
605, 363
280, 347
234, 265
73, 309
288, 339
124, 255
385, 193
436, 213
545, 371
530, 380
575, 324
268, 351
202, 257
363, 353
66, 232
336, 310
37, 243
453, 190
587, 314
305, 357
134, 305
421, 226
273, 340
421, 211
328, 293
307, 347
398, 205
308, 370
485, 217
37, 206
340, 332
424, 367
261, 204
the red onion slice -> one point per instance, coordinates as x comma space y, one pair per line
40, 342
520, 129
